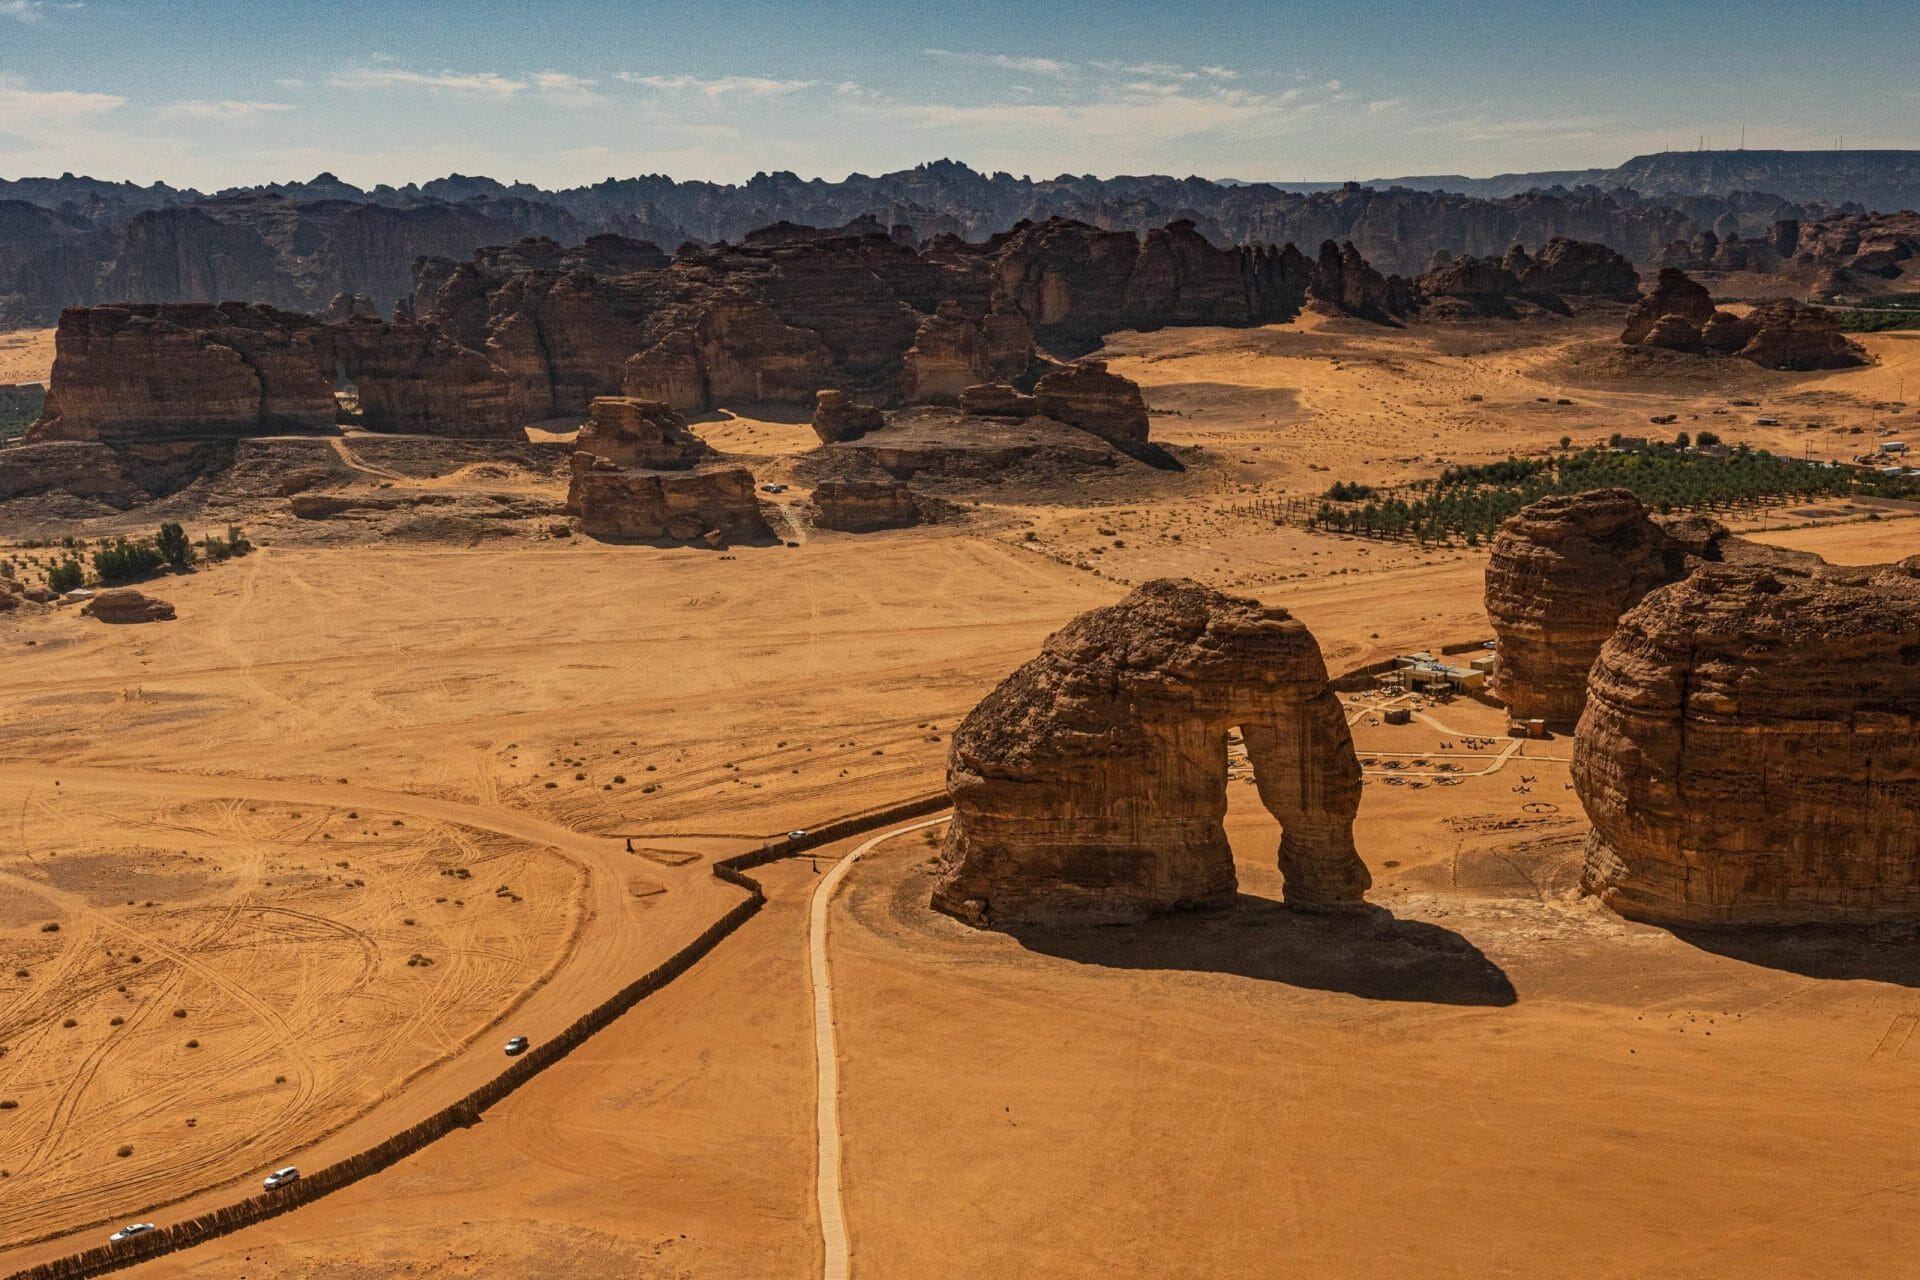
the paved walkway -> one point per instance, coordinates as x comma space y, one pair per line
826, 1058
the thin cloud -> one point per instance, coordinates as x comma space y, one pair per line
1006, 62
478, 84
33, 10
568, 90
21, 105
223, 110
725, 86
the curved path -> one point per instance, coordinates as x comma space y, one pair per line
616, 940
826, 1058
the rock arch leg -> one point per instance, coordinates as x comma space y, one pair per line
1309, 778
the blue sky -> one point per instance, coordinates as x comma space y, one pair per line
217, 92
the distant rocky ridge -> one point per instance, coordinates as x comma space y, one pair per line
71, 241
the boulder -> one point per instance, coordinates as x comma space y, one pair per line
1561, 573
1724, 333
863, 506
1090, 786
1085, 395
639, 433
838, 417
126, 606
1750, 751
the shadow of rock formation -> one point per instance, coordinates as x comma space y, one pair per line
1369, 953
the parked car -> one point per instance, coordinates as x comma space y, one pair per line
280, 1178
516, 1046
797, 833
129, 1231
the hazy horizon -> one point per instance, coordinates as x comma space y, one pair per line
212, 93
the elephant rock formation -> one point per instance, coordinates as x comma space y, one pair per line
1090, 786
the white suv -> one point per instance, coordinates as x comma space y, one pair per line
280, 1178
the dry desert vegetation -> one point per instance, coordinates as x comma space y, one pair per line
281, 874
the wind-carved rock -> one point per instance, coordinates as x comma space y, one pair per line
1782, 334
1750, 751
1091, 784
636, 478
1085, 395
838, 417
864, 506
639, 433
1562, 572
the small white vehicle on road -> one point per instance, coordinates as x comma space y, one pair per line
280, 1178
129, 1231
516, 1046
797, 833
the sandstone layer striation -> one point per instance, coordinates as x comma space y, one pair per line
1750, 751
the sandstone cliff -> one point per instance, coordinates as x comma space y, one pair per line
1562, 572
1091, 784
1750, 751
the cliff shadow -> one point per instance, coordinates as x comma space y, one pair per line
1370, 953
1878, 953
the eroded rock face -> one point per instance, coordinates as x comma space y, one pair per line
863, 506
639, 433
1562, 572
997, 400
1091, 784
168, 371
838, 417
127, 606
1570, 268
1674, 294
1085, 395
1750, 752
1791, 335
714, 505
1783, 334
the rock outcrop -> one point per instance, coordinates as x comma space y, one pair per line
127, 606
837, 417
1783, 334
997, 400
1562, 572
1791, 335
1674, 294
714, 505
864, 506
170, 371
639, 433
158, 372
1750, 751
1091, 784
1085, 395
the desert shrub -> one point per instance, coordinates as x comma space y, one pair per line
172, 544
66, 576
123, 561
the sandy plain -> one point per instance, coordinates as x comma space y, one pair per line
1487, 1076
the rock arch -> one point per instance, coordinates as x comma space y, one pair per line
1090, 786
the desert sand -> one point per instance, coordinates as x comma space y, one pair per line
1488, 1074
26, 355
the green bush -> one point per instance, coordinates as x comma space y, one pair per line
171, 542
122, 561
66, 576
